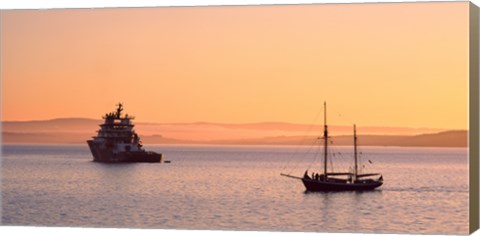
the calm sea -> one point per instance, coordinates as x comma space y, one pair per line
236, 188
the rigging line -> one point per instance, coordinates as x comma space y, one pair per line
306, 153
365, 166
316, 154
332, 155
344, 160
338, 157
345, 166
359, 161
304, 137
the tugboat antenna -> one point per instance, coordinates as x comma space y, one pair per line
119, 110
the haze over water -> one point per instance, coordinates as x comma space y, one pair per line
233, 187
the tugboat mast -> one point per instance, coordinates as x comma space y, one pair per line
325, 138
119, 110
117, 141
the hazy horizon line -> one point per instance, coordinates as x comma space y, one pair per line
229, 123
440, 139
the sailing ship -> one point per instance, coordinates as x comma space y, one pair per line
117, 141
333, 181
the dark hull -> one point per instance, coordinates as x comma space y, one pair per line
107, 156
325, 186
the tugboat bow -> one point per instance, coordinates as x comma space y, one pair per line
116, 141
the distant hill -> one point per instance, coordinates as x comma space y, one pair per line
442, 139
71, 125
78, 130
86, 124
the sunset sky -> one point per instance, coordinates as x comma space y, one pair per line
395, 65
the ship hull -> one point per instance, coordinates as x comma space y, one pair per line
325, 186
108, 156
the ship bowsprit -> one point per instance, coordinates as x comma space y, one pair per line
339, 181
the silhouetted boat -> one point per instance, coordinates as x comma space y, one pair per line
116, 141
330, 181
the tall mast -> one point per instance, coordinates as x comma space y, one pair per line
355, 173
325, 138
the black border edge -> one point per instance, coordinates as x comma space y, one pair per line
474, 100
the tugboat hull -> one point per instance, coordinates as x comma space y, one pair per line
325, 186
108, 156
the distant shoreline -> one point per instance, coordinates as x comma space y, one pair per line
215, 145
444, 139
78, 130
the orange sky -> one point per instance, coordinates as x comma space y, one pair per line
402, 65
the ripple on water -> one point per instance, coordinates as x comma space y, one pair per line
232, 188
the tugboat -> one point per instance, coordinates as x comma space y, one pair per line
116, 141
330, 181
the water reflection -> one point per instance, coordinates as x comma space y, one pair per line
231, 188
